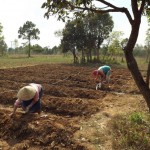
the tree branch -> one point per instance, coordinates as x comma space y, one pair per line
134, 8
111, 8
114, 9
142, 6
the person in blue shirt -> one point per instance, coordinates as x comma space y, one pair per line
102, 74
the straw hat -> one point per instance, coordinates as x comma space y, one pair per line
26, 93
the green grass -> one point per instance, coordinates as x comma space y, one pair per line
131, 132
18, 60
23, 60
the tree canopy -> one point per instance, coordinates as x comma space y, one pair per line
63, 8
28, 32
86, 35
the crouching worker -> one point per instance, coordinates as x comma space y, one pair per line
29, 98
102, 74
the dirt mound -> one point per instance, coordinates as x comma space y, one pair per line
69, 97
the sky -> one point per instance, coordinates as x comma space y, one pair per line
14, 13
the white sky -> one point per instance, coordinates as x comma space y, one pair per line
14, 13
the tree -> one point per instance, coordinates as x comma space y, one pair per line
37, 49
28, 32
78, 8
3, 45
114, 47
68, 42
101, 25
86, 34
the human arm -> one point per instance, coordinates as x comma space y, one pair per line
97, 79
14, 111
16, 105
102, 76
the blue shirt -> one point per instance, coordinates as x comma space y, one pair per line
105, 69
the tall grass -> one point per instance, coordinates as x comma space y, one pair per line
131, 132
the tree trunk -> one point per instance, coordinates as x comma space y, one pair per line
90, 55
97, 54
29, 53
98, 47
148, 74
75, 58
144, 89
83, 57
132, 64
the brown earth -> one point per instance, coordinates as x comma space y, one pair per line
74, 116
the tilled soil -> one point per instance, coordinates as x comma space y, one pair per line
69, 98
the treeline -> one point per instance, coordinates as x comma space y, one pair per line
35, 49
139, 50
90, 39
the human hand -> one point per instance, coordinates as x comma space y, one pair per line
12, 115
27, 109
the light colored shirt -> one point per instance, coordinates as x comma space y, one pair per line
35, 98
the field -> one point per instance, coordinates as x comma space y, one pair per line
74, 115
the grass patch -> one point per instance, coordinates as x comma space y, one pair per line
131, 132
23, 60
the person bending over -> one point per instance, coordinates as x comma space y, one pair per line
102, 74
29, 98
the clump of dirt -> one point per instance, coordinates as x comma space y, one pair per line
69, 99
